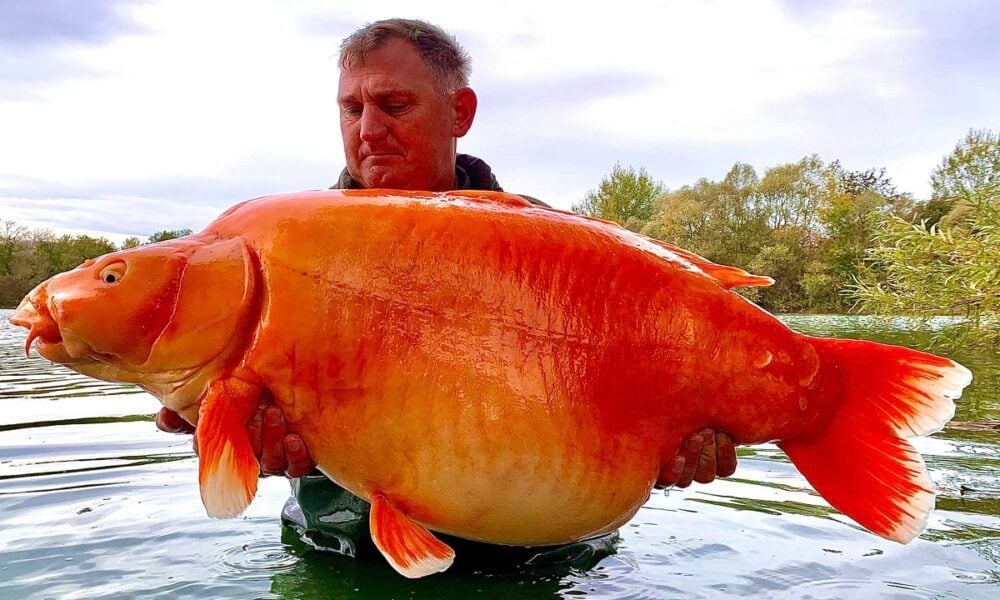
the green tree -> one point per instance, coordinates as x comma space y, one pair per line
14, 254
928, 271
972, 168
969, 171
131, 242
168, 234
685, 218
949, 268
13, 244
821, 286
68, 252
784, 258
724, 221
849, 216
932, 211
790, 197
626, 196
769, 226
814, 227
792, 193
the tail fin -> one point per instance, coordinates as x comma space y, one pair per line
861, 462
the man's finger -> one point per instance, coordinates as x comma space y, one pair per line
725, 454
690, 450
272, 459
688, 475
171, 422
705, 471
255, 430
300, 463
670, 472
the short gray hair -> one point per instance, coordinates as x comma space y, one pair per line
440, 51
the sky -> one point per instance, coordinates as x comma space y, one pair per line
121, 118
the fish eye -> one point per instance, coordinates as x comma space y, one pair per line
113, 272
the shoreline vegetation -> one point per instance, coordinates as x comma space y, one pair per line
836, 241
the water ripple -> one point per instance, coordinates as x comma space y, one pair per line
255, 557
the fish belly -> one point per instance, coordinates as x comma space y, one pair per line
490, 468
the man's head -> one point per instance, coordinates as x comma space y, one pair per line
404, 101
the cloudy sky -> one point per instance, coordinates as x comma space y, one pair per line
126, 117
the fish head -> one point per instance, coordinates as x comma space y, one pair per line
141, 314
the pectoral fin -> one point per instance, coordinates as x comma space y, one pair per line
410, 548
228, 469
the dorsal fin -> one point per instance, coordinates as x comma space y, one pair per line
727, 277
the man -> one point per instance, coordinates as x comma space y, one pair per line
404, 101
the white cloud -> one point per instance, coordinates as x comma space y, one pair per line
727, 79
188, 99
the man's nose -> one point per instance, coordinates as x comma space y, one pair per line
372, 125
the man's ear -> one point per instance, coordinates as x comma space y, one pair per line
464, 103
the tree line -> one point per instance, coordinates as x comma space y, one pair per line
28, 257
837, 240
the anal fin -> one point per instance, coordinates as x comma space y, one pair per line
410, 548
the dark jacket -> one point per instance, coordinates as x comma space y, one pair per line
471, 173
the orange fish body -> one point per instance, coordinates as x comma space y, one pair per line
507, 374
481, 367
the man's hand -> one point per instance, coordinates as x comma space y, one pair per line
278, 452
702, 457
171, 422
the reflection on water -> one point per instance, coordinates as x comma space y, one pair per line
96, 503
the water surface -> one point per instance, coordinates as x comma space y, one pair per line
96, 503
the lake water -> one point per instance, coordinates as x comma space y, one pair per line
95, 502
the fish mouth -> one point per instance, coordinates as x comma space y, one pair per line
34, 315
39, 323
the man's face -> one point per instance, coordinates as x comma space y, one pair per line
399, 128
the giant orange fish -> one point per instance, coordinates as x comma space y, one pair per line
478, 366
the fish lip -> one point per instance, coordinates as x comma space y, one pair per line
40, 324
45, 343
15, 320
25, 314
